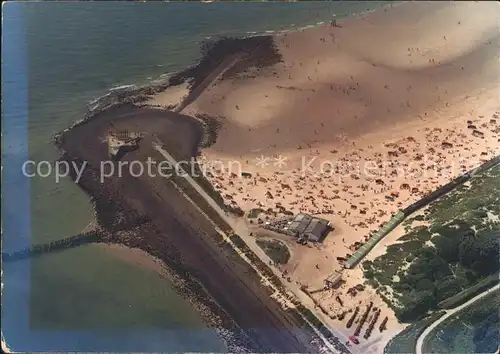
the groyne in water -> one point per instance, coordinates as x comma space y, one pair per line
54, 246
403, 214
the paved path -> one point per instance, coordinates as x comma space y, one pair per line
241, 230
421, 339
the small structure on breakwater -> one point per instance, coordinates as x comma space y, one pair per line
121, 142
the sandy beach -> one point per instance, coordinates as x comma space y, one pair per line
361, 118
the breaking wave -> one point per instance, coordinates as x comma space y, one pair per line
121, 87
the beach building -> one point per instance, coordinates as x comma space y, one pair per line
309, 227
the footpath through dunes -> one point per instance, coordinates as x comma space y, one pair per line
172, 228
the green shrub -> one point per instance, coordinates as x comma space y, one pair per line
410, 258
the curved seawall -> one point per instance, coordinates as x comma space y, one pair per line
403, 214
